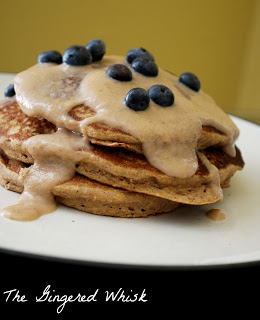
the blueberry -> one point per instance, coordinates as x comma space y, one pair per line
77, 56
9, 91
136, 53
137, 99
161, 95
119, 72
50, 56
97, 48
190, 80
145, 67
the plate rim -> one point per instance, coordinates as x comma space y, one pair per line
125, 266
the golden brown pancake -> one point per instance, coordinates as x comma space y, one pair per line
87, 195
101, 134
16, 127
121, 168
130, 171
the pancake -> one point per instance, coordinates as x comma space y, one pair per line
87, 195
132, 172
102, 134
16, 127
123, 169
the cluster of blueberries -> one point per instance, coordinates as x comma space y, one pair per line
143, 62
140, 60
76, 55
138, 98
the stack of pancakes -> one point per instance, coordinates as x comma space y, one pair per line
114, 178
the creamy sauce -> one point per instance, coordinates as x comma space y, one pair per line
168, 135
216, 214
213, 171
55, 158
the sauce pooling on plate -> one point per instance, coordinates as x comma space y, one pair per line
216, 214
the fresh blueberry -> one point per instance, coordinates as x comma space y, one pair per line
138, 52
161, 95
137, 99
190, 80
50, 56
77, 56
119, 72
145, 67
97, 49
9, 91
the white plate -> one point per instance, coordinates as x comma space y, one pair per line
184, 238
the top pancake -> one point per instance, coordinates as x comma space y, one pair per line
101, 134
167, 136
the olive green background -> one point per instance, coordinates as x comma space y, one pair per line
219, 41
